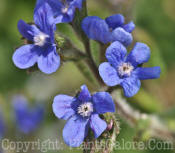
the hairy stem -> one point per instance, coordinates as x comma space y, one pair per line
85, 72
156, 127
76, 25
102, 52
91, 63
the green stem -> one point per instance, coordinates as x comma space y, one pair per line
85, 72
91, 63
102, 52
76, 25
155, 127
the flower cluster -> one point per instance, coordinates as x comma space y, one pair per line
81, 111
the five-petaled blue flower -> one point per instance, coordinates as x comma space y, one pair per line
42, 49
109, 30
82, 112
63, 9
124, 70
27, 118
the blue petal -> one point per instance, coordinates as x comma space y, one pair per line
115, 21
131, 86
37, 114
103, 102
26, 56
109, 74
96, 29
20, 105
27, 119
116, 53
65, 17
75, 130
140, 54
148, 73
20, 102
62, 106
129, 27
61, 19
56, 6
44, 18
70, 13
39, 3
49, 61
76, 3
119, 34
84, 95
27, 31
97, 125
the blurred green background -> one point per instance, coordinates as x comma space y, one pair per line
155, 25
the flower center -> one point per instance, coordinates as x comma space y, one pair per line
85, 109
125, 69
40, 39
64, 10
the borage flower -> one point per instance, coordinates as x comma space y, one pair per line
43, 48
27, 118
109, 30
82, 112
124, 70
63, 10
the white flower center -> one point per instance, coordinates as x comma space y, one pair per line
40, 39
64, 10
85, 109
125, 69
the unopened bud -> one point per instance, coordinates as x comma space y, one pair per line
110, 125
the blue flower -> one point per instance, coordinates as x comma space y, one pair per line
109, 30
2, 126
27, 119
63, 9
82, 112
42, 49
124, 70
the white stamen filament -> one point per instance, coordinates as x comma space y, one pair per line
40, 39
85, 109
125, 69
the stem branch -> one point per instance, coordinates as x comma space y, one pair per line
156, 127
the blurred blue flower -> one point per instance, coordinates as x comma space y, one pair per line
109, 30
2, 126
27, 119
43, 48
63, 9
82, 113
124, 70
